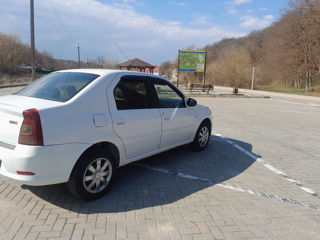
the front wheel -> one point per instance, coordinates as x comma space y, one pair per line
93, 175
202, 137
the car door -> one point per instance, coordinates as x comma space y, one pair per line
135, 119
177, 119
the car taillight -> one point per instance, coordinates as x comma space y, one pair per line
31, 129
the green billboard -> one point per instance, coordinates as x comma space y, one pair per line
192, 61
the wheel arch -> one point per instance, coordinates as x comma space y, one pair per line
204, 120
208, 121
104, 145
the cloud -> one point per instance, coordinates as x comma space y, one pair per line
201, 19
180, 4
231, 6
239, 2
249, 21
174, 23
231, 10
263, 9
96, 26
268, 17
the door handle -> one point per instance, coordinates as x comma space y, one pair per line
120, 122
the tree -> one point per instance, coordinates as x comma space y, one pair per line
232, 68
100, 61
165, 68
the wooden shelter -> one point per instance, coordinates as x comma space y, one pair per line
136, 65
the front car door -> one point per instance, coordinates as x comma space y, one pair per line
135, 119
177, 119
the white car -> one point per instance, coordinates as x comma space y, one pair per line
79, 126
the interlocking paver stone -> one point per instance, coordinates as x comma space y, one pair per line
146, 204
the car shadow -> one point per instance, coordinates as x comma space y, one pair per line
157, 180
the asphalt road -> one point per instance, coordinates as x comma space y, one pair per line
259, 178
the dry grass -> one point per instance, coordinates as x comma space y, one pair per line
8, 80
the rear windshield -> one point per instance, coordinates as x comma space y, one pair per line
58, 86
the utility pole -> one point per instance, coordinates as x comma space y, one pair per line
205, 70
33, 54
252, 78
79, 55
178, 70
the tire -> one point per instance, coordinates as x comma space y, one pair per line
202, 137
93, 175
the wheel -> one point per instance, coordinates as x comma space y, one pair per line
92, 175
202, 137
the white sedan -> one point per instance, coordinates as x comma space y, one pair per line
79, 126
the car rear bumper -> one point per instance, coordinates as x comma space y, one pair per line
50, 164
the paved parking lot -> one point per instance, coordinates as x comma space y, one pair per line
258, 179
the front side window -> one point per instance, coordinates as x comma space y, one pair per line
60, 86
132, 93
168, 97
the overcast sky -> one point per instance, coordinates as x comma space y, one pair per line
153, 30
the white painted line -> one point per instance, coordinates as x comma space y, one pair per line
273, 169
284, 101
267, 165
297, 112
314, 105
227, 186
296, 103
309, 190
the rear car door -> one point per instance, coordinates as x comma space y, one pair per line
135, 119
177, 119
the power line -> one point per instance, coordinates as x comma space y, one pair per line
61, 22
71, 36
66, 30
121, 50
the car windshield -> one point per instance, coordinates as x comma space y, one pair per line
60, 86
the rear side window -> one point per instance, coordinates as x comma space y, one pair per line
58, 86
132, 93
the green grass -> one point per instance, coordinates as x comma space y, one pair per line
297, 91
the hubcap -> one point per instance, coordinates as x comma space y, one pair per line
97, 175
203, 136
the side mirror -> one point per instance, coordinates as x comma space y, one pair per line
191, 102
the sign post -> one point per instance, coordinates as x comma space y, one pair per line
192, 61
178, 70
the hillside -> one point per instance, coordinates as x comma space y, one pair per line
15, 61
285, 55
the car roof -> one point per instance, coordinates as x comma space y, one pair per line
100, 72
103, 72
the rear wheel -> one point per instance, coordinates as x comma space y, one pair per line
93, 175
202, 137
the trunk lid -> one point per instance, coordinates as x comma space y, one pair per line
11, 117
